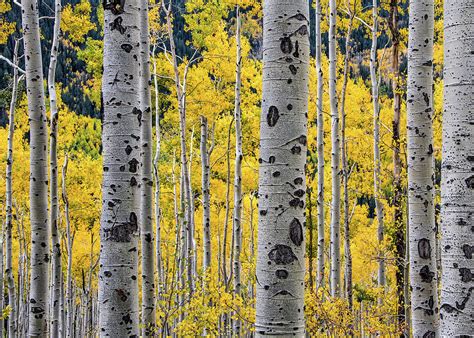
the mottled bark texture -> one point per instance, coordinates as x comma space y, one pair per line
421, 216
377, 172
335, 159
53, 174
457, 183
39, 296
9, 201
206, 204
282, 184
146, 182
237, 172
118, 276
320, 146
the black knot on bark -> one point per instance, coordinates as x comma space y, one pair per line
272, 116
282, 254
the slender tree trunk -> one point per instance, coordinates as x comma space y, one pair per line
457, 180
335, 158
181, 96
227, 208
206, 214
421, 186
320, 146
53, 173
69, 238
377, 171
146, 186
237, 173
310, 239
159, 264
399, 235
345, 171
118, 277
39, 298
282, 184
9, 202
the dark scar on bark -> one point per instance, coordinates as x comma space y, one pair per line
299, 17
296, 54
126, 47
115, 6
466, 275
282, 254
468, 250
117, 25
426, 275
281, 274
462, 305
272, 116
122, 232
296, 232
121, 294
424, 248
286, 45
139, 114
470, 182
128, 149
293, 69
133, 165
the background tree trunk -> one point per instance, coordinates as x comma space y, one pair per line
118, 277
39, 296
457, 181
53, 173
335, 158
282, 186
320, 147
421, 185
206, 214
146, 183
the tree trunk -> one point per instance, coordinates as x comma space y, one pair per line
146, 184
282, 186
237, 173
38, 299
118, 277
377, 171
320, 146
335, 158
421, 187
53, 173
399, 235
206, 214
457, 183
9, 202
345, 171
69, 238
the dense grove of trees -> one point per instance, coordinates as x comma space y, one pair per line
236, 168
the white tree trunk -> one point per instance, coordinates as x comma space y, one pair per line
39, 297
237, 172
421, 186
457, 183
8, 200
320, 146
206, 214
53, 173
282, 184
335, 158
376, 106
118, 277
146, 183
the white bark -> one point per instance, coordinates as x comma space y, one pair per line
376, 106
39, 297
9, 201
421, 213
457, 183
53, 174
237, 172
335, 158
69, 239
206, 214
118, 277
146, 184
282, 184
320, 146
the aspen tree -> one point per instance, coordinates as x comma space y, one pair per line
118, 276
38, 298
282, 186
457, 179
421, 186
